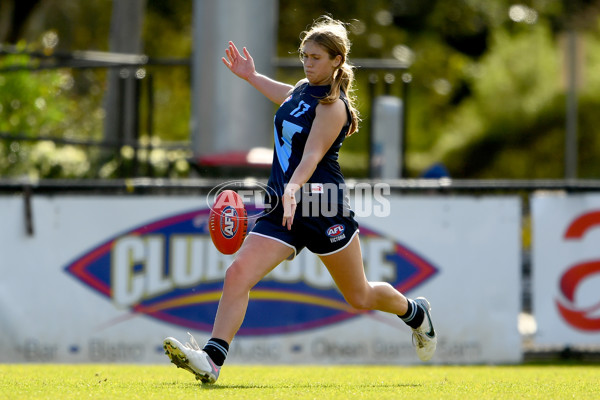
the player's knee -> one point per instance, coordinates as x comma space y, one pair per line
360, 301
236, 275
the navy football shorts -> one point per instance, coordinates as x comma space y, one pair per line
319, 234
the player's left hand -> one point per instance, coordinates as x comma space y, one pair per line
238, 64
289, 204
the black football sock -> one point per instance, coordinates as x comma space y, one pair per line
414, 315
217, 350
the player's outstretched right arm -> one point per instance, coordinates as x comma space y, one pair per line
244, 68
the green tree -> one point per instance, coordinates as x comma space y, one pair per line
487, 96
41, 104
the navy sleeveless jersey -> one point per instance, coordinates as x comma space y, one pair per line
293, 121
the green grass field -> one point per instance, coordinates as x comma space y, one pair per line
24, 381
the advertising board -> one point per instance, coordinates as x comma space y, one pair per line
106, 278
566, 269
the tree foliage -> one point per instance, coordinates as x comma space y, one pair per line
39, 105
486, 97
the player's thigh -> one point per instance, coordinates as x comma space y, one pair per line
255, 259
347, 270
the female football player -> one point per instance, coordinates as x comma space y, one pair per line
314, 118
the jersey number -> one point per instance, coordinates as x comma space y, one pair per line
301, 109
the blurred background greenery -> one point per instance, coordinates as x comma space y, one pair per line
487, 91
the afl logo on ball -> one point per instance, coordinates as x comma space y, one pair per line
229, 222
335, 230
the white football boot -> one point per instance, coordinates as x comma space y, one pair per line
191, 358
424, 337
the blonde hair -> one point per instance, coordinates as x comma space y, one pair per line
332, 36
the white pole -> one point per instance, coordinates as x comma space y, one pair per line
227, 113
386, 159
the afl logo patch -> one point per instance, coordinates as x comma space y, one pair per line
335, 230
229, 222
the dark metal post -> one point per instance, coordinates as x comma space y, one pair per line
27, 192
372, 89
571, 112
406, 79
136, 124
149, 122
388, 82
120, 111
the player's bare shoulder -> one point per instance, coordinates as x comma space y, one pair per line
334, 111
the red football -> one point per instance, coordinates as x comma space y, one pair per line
228, 222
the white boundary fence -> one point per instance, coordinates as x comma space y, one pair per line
104, 278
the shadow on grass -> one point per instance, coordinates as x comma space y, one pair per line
307, 386
314, 385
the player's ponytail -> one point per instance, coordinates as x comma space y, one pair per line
343, 81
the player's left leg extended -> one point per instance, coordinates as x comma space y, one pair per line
347, 270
